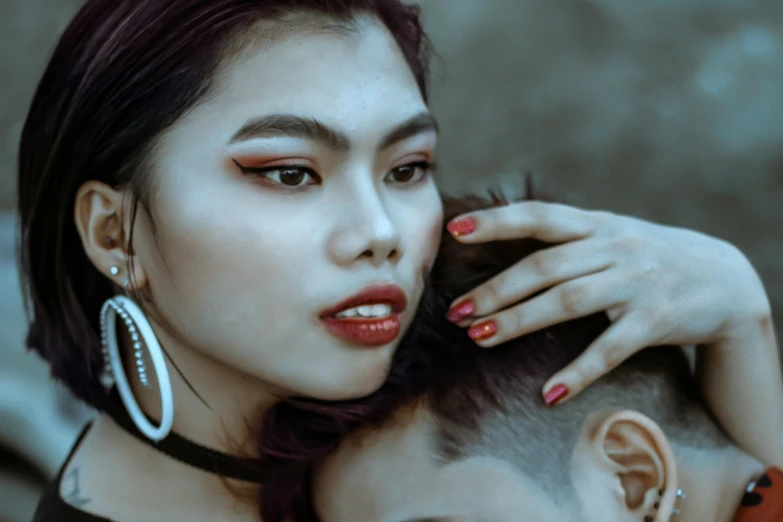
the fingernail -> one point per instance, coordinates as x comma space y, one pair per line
462, 310
462, 227
556, 394
483, 331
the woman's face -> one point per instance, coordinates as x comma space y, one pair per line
302, 181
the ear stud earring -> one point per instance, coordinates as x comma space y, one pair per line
680, 495
115, 270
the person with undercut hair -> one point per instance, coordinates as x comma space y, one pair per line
231, 205
479, 445
468, 438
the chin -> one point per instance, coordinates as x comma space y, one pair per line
363, 375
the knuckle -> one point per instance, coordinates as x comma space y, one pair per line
492, 219
573, 298
613, 355
658, 319
492, 294
591, 367
541, 264
628, 239
603, 218
536, 210
650, 267
630, 242
510, 324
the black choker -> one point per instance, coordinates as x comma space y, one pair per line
187, 451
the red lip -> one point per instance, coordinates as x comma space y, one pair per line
378, 294
368, 331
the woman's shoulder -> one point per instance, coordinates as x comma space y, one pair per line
53, 508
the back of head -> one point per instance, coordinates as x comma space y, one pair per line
489, 401
484, 401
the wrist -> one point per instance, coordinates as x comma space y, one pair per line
752, 333
751, 307
750, 318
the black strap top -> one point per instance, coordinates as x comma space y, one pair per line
53, 508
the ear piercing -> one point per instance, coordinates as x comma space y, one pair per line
680, 495
115, 270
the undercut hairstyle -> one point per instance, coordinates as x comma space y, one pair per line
485, 401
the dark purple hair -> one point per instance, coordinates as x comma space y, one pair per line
123, 72
438, 365
296, 434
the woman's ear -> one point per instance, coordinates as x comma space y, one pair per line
627, 454
104, 228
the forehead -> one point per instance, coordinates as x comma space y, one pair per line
393, 475
354, 76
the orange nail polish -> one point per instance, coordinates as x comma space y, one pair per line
556, 394
462, 227
462, 310
483, 331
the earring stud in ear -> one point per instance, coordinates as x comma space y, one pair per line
114, 270
676, 511
680, 496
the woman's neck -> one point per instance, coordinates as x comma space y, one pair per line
218, 406
117, 475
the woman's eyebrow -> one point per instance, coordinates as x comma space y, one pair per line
314, 130
292, 126
423, 122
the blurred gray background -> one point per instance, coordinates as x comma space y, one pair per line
668, 110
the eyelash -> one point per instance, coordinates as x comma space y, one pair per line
263, 172
425, 168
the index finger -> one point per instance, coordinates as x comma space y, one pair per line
550, 222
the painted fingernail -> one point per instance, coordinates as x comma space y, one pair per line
462, 227
462, 310
556, 394
483, 331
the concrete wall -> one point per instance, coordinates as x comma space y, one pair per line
666, 110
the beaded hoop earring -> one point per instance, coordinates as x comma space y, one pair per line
141, 334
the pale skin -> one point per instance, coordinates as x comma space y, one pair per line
240, 265
690, 283
660, 285
621, 462
243, 264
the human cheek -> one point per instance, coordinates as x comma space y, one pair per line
431, 229
425, 230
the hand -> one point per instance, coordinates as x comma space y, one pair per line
659, 285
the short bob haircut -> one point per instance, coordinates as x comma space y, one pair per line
123, 72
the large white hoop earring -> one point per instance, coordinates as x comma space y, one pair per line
140, 331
